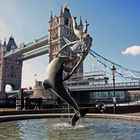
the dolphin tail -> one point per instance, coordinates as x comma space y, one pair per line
77, 116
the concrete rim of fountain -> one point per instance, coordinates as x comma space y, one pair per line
38, 114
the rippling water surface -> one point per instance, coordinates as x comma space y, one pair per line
59, 129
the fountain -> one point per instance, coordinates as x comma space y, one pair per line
54, 81
60, 129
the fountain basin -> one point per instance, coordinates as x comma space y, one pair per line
59, 129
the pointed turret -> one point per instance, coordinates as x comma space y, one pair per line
51, 17
11, 45
4, 43
66, 15
66, 12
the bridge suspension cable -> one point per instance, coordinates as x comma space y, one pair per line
120, 70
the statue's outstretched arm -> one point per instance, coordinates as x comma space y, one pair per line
76, 66
66, 45
86, 28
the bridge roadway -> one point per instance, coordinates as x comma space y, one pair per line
77, 87
126, 86
34, 53
35, 48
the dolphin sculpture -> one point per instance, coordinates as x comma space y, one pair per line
55, 83
55, 71
54, 80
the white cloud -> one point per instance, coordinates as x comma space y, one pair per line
133, 50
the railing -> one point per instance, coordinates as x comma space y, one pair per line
109, 86
94, 87
26, 46
36, 41
34, 53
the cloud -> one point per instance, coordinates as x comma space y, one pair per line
133, 50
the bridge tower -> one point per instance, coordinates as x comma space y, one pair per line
10, 69
59, 27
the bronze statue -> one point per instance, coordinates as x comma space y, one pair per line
55, 71
54, 80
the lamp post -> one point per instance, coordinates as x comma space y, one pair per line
114, 94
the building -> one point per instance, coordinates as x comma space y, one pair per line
10, 69
59, 27
39, 92
40, 97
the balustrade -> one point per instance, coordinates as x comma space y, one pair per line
109, 86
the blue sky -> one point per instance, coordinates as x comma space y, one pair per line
114, 26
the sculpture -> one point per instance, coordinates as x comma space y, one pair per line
54, 83
54, 80
56, 68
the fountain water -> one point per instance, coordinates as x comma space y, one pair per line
58, 129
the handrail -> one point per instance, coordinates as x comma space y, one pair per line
126, 85
26, 46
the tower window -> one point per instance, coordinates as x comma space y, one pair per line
11, 75
66, 21
12, 68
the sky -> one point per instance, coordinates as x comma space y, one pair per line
113, 24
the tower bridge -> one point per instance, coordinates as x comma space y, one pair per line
11, 57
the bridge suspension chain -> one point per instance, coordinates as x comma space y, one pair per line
120, 70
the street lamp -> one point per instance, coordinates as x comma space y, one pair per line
114, 94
